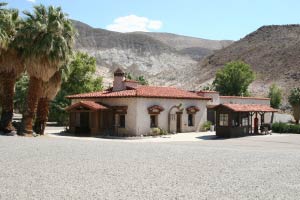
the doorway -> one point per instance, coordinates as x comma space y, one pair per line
84, 129
178, 122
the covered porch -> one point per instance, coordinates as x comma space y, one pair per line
88, 118
236, 120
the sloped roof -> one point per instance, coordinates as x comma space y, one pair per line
88, 104
143, 91
248, 107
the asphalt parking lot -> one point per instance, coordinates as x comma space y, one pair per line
258, 167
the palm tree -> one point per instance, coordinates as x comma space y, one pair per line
46, 39
294, 100
49, 91
11, 65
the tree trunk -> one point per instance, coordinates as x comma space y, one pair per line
296, 113
41, 115
34, 92
7, 103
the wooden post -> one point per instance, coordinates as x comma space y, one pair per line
272, 118
255, 124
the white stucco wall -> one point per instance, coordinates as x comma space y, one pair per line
138, 118
130, 118
143, 118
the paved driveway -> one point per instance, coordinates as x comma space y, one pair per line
260, 167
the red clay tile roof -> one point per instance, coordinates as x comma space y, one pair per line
143, 91
239, 97
88, 104
249, 107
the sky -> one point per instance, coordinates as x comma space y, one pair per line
209, 19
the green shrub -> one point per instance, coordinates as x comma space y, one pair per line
280, 127
294, 128
206, 126
155, 131
163, 132
158, 131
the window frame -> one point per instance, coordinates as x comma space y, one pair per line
245, 119
223, 119
155, 124
192, 120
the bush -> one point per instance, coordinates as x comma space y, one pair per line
280, 127
163, 132
158, 131
206, 126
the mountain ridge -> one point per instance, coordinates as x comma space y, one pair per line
273, 53
189, 63
159, 60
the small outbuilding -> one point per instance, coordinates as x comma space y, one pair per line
236, 120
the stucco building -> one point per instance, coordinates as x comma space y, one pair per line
130, 109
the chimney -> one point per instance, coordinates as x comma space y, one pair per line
119, 77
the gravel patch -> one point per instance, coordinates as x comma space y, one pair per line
262, 167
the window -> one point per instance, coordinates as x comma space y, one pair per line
122, 121
235, 120
223, 120
191, 119
153, 121
245, 121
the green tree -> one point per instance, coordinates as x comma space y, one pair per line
234, 79
128, 76
294, 100
81, 79
140, 79
46, 40
275, 95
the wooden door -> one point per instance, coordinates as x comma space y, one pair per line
85, 122
178, 122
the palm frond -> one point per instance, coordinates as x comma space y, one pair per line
47, 36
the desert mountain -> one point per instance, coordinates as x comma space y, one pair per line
272, 51
163, 58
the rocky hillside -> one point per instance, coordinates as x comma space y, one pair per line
272, 51
163, 58
197, 48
